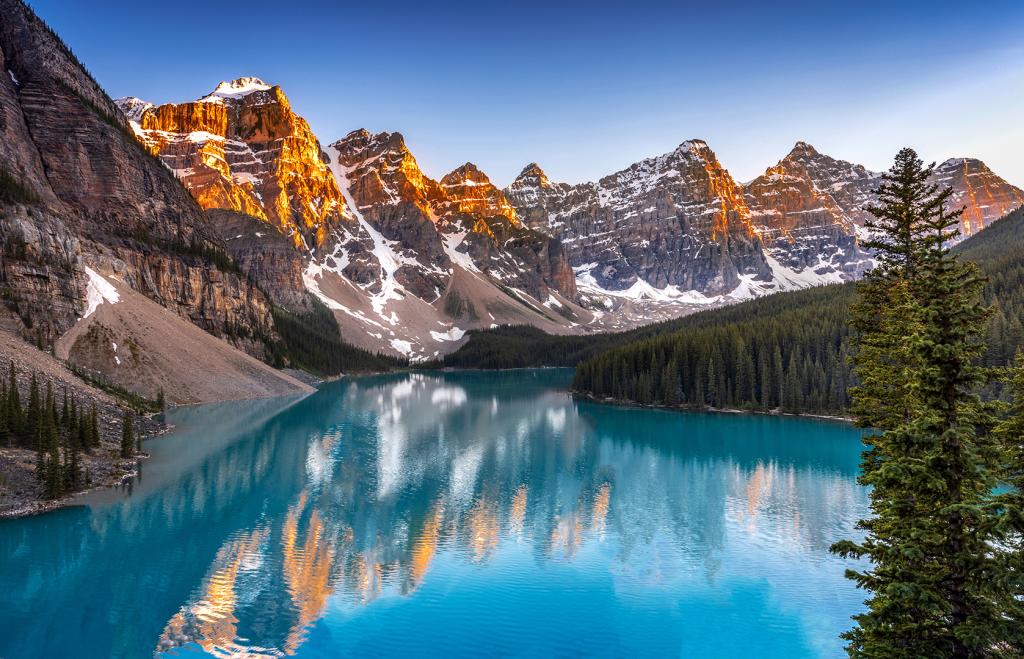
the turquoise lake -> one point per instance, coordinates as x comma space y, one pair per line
447, 515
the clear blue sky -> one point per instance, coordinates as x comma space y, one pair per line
585, 88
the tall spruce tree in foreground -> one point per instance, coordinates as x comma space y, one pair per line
938, 585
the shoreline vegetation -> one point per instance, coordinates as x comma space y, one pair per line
625, 402
57, 445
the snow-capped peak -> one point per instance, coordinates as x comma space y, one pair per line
237, 88
693, 146
132, 107
802, 148
532, 174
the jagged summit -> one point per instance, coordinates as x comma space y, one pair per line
532, 175
361, 138
695, 146
236, 88
243, 148
981, 192
467, 174
358, 133
133, 107
801, 150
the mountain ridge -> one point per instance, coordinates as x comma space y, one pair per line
660, 238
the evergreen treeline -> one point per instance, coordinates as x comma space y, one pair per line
792, 355
790, 350
312, 341
58, 431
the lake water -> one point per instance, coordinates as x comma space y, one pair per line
466, 514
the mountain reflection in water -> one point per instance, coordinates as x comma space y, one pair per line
454, 514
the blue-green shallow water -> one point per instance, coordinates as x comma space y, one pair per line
449, 515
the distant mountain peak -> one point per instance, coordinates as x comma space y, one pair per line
694, 145
236, 88
132, 107
532, 175
803, 149
467, 174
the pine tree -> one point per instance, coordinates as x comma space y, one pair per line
82, 431
936, 588
65, 411
94, 427
5, 428
127, 438
73, 425
53, 470
14, 412
1010, 507
34, 416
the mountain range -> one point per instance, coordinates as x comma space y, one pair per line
409, 263
227, 212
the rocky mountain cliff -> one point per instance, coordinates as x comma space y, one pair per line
432, 259
242, 148
78, 191
837, 192
676, 231
984, 196
677, 222
804, 228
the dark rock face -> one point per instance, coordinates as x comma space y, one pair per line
265, 254
92, 194
394, 197
496, 238
850, 186
678, 219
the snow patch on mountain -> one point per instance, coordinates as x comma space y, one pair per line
390, 260
235, 89
98, 291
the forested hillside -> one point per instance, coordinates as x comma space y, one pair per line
788, 350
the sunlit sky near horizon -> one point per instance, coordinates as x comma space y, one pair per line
586, 88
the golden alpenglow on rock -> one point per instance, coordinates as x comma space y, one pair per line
242, 148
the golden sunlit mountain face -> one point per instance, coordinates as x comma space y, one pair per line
243, 148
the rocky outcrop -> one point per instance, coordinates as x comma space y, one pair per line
851, 186
803, 227
481, 218
984, 196
265, 255
243, 148
469, 192
678, 220
87, 193
427, 226
395, 198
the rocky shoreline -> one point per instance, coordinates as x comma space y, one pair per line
20, 491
